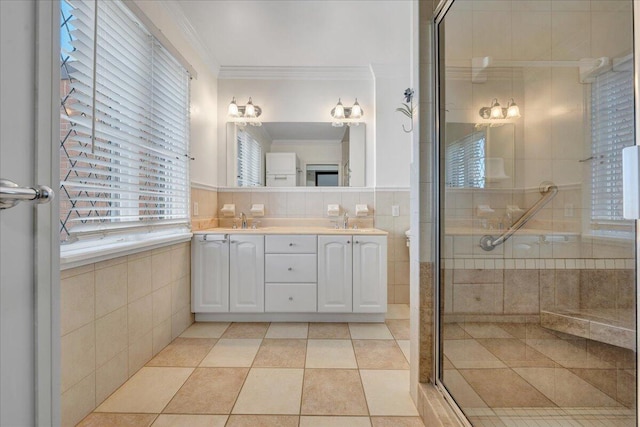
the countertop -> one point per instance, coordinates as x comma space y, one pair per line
295, 230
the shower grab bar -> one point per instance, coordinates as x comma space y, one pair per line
548, 191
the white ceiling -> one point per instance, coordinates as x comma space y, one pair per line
290, 33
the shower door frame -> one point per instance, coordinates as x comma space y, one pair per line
438, 16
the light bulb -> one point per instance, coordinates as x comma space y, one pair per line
496, 110
233, 108
356, 111
338, 112
513, 111
249, 109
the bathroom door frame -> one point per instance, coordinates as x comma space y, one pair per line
438, 16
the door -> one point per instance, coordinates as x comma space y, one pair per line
29, 314
335, 274
210, 274
246, 274
369, 282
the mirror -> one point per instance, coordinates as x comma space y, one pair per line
296, 154
479, 155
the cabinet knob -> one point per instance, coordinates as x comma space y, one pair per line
290, 298
290, 244
348, 242
290, 269
357, 241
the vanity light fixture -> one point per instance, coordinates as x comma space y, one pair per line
496, 111
349, 115
244, 114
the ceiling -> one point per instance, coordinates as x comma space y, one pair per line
282, 131
295, 33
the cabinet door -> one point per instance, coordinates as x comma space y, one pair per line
210, 277
369, 274
334, 274
246, 275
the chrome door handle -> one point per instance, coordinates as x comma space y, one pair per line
11, 194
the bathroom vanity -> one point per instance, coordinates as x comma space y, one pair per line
289, 274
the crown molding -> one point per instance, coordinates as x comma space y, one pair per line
173, 8
295, 73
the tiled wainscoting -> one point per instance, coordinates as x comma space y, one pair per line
117, 315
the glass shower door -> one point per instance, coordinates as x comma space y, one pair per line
537, 266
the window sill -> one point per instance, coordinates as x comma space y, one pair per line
76, 255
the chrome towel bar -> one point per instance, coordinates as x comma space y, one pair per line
11, 194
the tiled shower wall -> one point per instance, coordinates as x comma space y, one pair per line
312, 205
115, 316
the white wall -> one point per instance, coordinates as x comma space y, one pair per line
204, 123
297, 101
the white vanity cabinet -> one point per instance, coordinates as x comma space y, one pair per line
335, 278
210, 273
369, 274
246, 273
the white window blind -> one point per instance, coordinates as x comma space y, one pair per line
125, 124
465, 161
249, 160
612, 127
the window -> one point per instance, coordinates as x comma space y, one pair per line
124, 125
249, 160
612, 129
465, 161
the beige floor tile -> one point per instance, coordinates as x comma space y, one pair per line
330, 354
246, 330
333, 392
121, 420
170, 420
470, 354
369, 331
288, 330
387, 392
399, 328
208, 391
205, 330
405, 346
565, 388
262, 421
232, 353
504, 388
465, 396
453, 331
396, 422
397, 311
183, 352
515, 353
148, 391
485, 330
329, 331
271, 391
281, 353
379, 354
318, 421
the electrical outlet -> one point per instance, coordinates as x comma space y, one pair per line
195, 208
395, 210
568, 210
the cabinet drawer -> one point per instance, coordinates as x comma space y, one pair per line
290, 297
295, 268
291, 244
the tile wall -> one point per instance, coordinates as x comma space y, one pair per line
115, 316
206, 201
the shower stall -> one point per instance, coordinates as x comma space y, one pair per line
536, 263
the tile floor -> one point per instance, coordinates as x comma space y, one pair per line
506, 374
272, 374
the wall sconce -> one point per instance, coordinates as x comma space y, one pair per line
495, 111
350, 115
244, 114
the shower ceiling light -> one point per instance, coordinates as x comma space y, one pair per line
495, 111
244, 114
352, 116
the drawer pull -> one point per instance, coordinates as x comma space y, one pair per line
290, 298
291, 244
290, 269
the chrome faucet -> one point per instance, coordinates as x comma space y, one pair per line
243, 221
345, 221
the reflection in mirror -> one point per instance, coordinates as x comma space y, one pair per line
479, 156
296, 154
